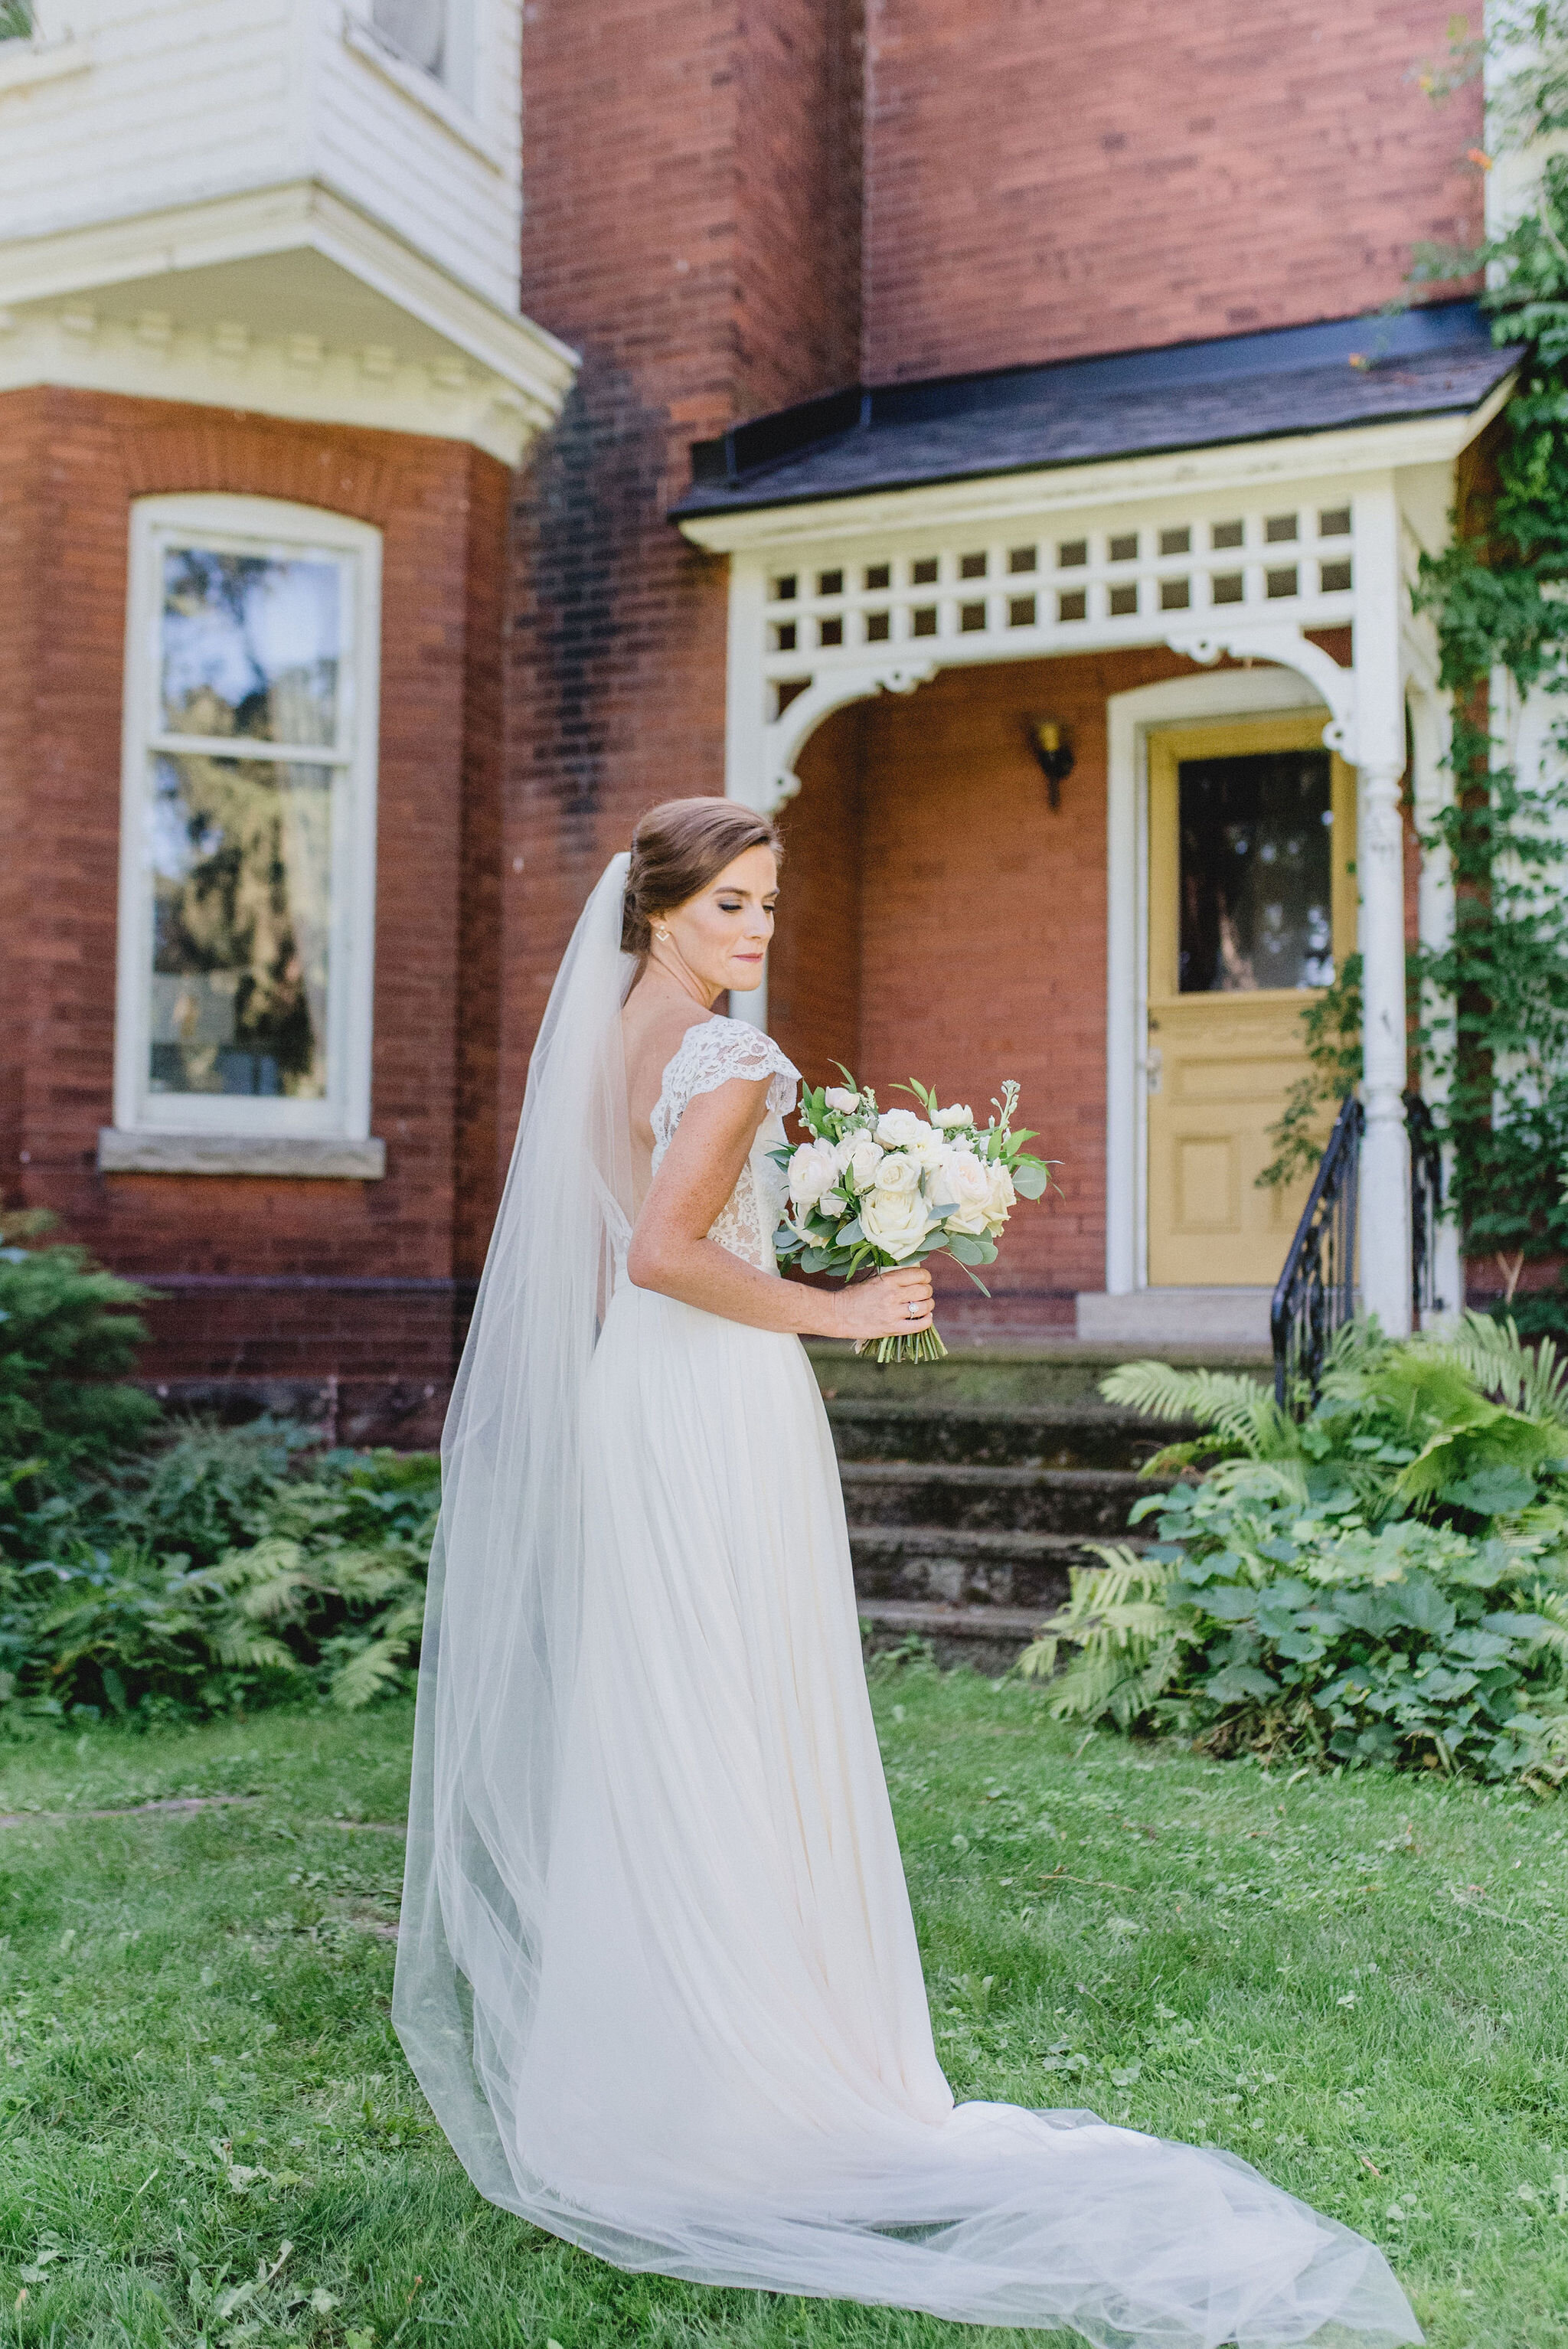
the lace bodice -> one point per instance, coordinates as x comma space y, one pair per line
709, 1055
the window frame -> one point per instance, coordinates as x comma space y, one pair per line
459, 80
275, 529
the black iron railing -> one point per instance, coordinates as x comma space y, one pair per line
1425, 1206
1315, 1293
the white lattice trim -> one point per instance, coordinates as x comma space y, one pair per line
709, 1056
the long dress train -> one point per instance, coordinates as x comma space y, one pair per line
728, 2070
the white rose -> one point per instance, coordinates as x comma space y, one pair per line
974, 1221
839, 1097
862, 1157
811, 1172
928, 1147
897, 1128
894, 1221
954, 1116
897, 1173
1002, 1196
963, 1179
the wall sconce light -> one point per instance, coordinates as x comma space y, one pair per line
1053, 753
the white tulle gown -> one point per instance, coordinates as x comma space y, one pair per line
720, 2062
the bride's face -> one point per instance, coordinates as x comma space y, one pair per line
722, 933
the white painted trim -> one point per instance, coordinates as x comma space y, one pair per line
24, 64
255, 525
1385, 1189
1248, 466
1432, 790
524, 372
1130, 719
361, 36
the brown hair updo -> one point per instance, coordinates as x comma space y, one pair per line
676, 850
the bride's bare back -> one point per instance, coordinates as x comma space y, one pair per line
655, 1020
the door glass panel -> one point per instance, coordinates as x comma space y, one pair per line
250, 647
1256, 871
240, 856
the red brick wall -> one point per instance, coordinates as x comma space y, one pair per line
22, 605
691, 226
814, 969
1052, 176
441, 507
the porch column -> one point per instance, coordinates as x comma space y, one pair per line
1379, 860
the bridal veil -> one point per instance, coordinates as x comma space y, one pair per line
499, 1650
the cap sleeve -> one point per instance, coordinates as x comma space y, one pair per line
709, 1056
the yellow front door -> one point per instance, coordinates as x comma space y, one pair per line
1251, 908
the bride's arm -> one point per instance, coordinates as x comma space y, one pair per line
671, 1250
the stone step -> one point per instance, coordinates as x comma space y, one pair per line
988, 1637
1089, 1501
1006, 1373
936, 1564
1079, 1434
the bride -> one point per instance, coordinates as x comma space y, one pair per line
658, 1973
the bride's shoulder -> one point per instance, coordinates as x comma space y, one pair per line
734, 1046
715, 1049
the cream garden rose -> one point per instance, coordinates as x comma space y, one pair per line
963, 1179
895, 1221
1001, 1196
840, 1097
897, 1171
813, 1170
897, 1128
958, 1115
859, 1155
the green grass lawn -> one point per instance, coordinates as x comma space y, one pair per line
209, 2134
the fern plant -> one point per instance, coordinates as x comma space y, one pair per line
1130, 1643
235, 1568
1389, 1580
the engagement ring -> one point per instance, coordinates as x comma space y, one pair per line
911, 1312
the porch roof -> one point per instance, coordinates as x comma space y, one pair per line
1437, 361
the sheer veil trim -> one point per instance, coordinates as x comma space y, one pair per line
501, 1623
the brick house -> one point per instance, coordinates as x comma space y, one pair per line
884, 395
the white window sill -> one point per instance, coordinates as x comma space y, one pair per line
315, 1156
424, 90
24, 63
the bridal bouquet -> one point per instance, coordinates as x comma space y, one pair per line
876, 1187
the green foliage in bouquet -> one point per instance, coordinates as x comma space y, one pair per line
876, 1188
233, 1567
1386, 1582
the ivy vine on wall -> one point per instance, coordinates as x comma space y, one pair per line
1494, 1033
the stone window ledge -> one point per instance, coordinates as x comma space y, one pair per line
316, 1156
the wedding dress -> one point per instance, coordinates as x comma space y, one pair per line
658, 1971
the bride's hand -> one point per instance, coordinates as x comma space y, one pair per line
889, 1305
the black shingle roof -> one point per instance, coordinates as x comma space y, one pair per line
1434, 360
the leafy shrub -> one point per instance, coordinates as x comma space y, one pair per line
1386, 1581
68, 1333
233, 1567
